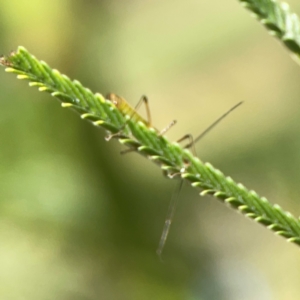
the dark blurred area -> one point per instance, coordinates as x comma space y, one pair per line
80, 221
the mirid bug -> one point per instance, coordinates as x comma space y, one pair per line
131, 114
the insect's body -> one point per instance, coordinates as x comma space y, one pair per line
126, 109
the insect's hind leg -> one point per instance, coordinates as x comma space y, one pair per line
168, 221
174, 199
143, 99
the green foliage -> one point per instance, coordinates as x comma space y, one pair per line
171, 157
278, 19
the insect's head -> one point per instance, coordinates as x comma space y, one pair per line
115, 99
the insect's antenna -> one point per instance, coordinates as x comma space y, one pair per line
209, 128
169, 218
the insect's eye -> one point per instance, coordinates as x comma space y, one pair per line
109, 96
113, 98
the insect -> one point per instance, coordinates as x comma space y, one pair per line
132, 114
128, 110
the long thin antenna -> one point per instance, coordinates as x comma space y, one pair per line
169, 218
209, 128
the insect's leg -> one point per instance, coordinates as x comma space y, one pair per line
144, 99
169, 219
160, 134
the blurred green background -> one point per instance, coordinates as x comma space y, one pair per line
78, 221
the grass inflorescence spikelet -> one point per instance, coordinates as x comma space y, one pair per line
144, 139
278, 19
